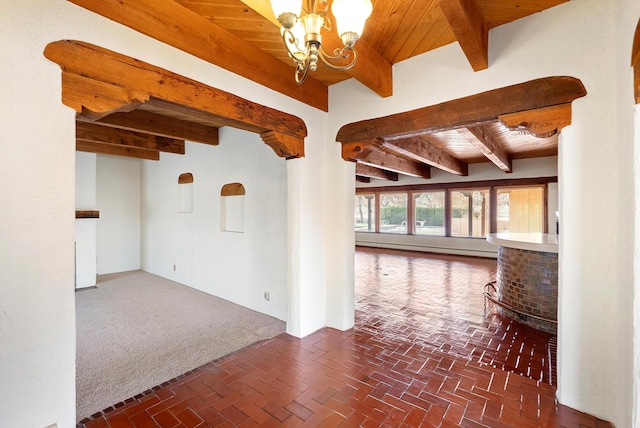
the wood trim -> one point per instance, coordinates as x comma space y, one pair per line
460, 185
177, 26
185, 178
87, 214
232, 189
447, 212
484, 107
493, 209
96, 72
635, 63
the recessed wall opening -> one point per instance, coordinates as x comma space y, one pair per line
185, 186
232, 207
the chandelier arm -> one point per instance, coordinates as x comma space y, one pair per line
301, 73
290, 40
343, 53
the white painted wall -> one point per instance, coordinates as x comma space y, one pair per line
85, 228
238, 267
580, 39
37, 146
118, 186
522, 168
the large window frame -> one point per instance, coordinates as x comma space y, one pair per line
492, 185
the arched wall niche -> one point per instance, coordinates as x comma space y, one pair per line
232, 207
185, 189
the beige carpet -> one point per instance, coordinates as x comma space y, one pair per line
137, 330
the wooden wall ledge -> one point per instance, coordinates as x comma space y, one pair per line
88, 214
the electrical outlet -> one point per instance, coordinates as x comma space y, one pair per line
267, 296
174, 268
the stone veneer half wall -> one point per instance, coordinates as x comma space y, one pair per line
527, 281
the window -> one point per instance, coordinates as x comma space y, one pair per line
365, 215
393, 212
461, 210
470, 213
520, 209
429, 213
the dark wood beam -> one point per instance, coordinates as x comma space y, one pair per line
371, 172
467, 23
94, 133
164, 126
475, 109
177, 26
97, 82
396, 164
480, 137
419, 149
363, 179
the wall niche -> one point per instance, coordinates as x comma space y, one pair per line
232, 207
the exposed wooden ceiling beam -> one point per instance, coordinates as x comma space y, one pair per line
467, 23
101, 82
397, 164
164, 126
371, 69
480, 137
363, 179
419, 149
177, 26
94, 133
371, 172
484, 107
117, 150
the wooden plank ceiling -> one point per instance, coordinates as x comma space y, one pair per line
242, 36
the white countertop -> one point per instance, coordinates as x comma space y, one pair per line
543, 242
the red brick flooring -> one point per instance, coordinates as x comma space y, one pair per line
423, 353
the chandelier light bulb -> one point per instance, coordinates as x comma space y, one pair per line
351, 15
286, 11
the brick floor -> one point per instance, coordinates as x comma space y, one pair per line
424, 352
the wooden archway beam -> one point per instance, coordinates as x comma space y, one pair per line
97, 82
485, 107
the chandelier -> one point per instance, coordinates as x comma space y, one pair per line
300, 31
